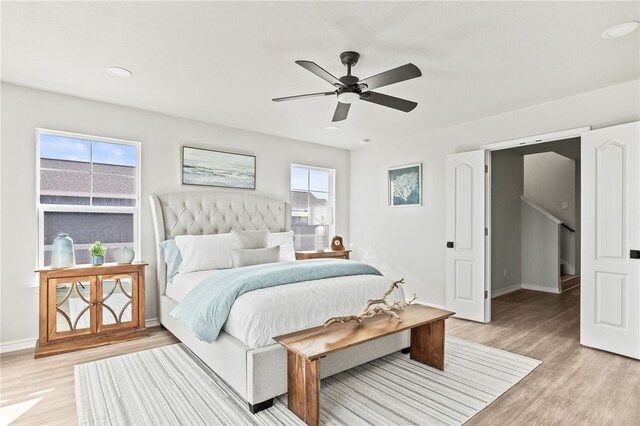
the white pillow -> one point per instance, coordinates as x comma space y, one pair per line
285, 241
205, 252
248, 257
249, 239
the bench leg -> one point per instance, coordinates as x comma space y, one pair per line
303, 388
427, 344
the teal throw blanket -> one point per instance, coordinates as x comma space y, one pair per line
206, 308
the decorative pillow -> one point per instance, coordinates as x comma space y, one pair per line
285, 241
248, 257
205, 252
172, 258
250, 239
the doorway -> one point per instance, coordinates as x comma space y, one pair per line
535, 217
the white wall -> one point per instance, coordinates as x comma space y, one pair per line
507, 176
23, 110
540, 237
410, 242
550, 180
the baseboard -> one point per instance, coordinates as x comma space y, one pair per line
506, 290
152, 322
540, 288
431, 305
18, 345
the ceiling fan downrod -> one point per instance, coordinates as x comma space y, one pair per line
349, 59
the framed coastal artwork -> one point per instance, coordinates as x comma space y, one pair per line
405, 185
218, 168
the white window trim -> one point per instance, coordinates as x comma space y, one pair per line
42, 208
332, 191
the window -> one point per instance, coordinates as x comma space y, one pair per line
312, 204
87, 187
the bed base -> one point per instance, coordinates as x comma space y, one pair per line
254, 408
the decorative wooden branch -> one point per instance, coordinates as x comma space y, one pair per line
370, 309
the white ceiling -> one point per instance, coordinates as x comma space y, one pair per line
223, 62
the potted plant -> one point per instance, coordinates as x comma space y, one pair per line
97, 251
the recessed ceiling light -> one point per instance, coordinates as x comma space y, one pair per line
621, 30
119, 72
332, 127
365, 141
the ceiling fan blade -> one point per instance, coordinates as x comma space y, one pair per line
341, 112
389, 101
396, 75
320, 72
310, 95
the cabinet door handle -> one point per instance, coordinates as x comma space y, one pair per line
449, 244
634, 254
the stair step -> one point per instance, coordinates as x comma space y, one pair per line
569, 281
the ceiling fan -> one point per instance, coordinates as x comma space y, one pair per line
350, 88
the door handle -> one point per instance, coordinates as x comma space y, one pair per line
449, 244
634, 254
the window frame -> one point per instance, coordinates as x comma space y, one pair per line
332, 193
43, 208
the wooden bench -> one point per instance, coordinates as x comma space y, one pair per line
306, 347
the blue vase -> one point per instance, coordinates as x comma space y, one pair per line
97, 260
124, 255
62, 254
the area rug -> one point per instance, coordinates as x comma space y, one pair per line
171, 386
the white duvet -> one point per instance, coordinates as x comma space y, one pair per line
259, 315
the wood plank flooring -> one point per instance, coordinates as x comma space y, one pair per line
573, 386
23, 379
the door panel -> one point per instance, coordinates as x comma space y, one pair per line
73, 314
117, 297
465, 185
610, 294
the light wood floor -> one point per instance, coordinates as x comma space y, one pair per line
573, 386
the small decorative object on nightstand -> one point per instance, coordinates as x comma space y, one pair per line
124, 255
303, 255
62, 255
321, 239
87, 306
337, 244
97, 251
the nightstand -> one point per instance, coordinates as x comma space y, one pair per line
87, 306
328, 254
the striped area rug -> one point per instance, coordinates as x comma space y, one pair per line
170, 386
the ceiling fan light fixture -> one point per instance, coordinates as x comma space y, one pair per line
621, 30
348, 97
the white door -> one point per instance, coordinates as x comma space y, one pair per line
465, 244
610, 294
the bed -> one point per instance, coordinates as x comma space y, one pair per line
256, 368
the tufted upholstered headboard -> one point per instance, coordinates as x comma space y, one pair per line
212, 212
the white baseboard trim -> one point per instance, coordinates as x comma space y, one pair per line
431, 305
506, 290
18, 345
540, 288
152, 322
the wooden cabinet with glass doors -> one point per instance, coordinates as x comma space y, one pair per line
87, 306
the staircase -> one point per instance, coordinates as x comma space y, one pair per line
568, 281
